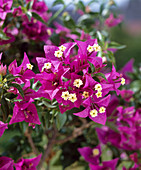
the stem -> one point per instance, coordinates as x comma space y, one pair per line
56, 14
48, 148
52, 141
28, 135
77, 132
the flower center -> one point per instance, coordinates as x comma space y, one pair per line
102, 109
98, 87
93, 113
85, 94
62, 48
122, 81
98, 94
58, 54
77, 83
65, 95
96, 47
72, 97
29, 66
95, 152
90, 48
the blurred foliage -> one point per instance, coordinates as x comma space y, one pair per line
132, 50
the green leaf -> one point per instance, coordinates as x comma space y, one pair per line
100, 37
10, 95
48, 104
136, 85
31, 83
17, 86
36, 16
69, 22
29, 5
4, 108
92, 67
10, 77
116, 45
3, 36
58, 2
29, 15
0, 78
65, 79
92, 1
96, 79
102, 8
55, 39
56, 14
24, 10
101, 75
20, 2
84, 17
110, 57
81, 6
60, 120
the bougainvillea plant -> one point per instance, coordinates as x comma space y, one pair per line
59, 87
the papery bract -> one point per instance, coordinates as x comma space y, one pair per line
6, 163
91, 155
30, 164
105, 165
3, 126
112, 22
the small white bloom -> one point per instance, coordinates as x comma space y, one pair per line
77, 83
93, 113
58, 53
96, 47
102, 109
29, 66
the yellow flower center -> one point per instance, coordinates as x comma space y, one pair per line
5, 80
30, 165
65, 95
122, 81
72, 97
96, 47
58, 54
77, 83
29, 66
35, 20
62, 48
93, 113
85, 94
102, 109
98, 94
90, 48
95, 152
98, 87
49, 32
65, 14
46, 66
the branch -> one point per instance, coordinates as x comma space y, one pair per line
77, 132
28, 135
48, 148
52, 141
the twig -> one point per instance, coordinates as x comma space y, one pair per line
52, 141
28, 135
77, 132
48, 148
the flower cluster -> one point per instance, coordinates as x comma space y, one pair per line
8, 163
32, 28
127, 135
67, 85
69, 78
92, 156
